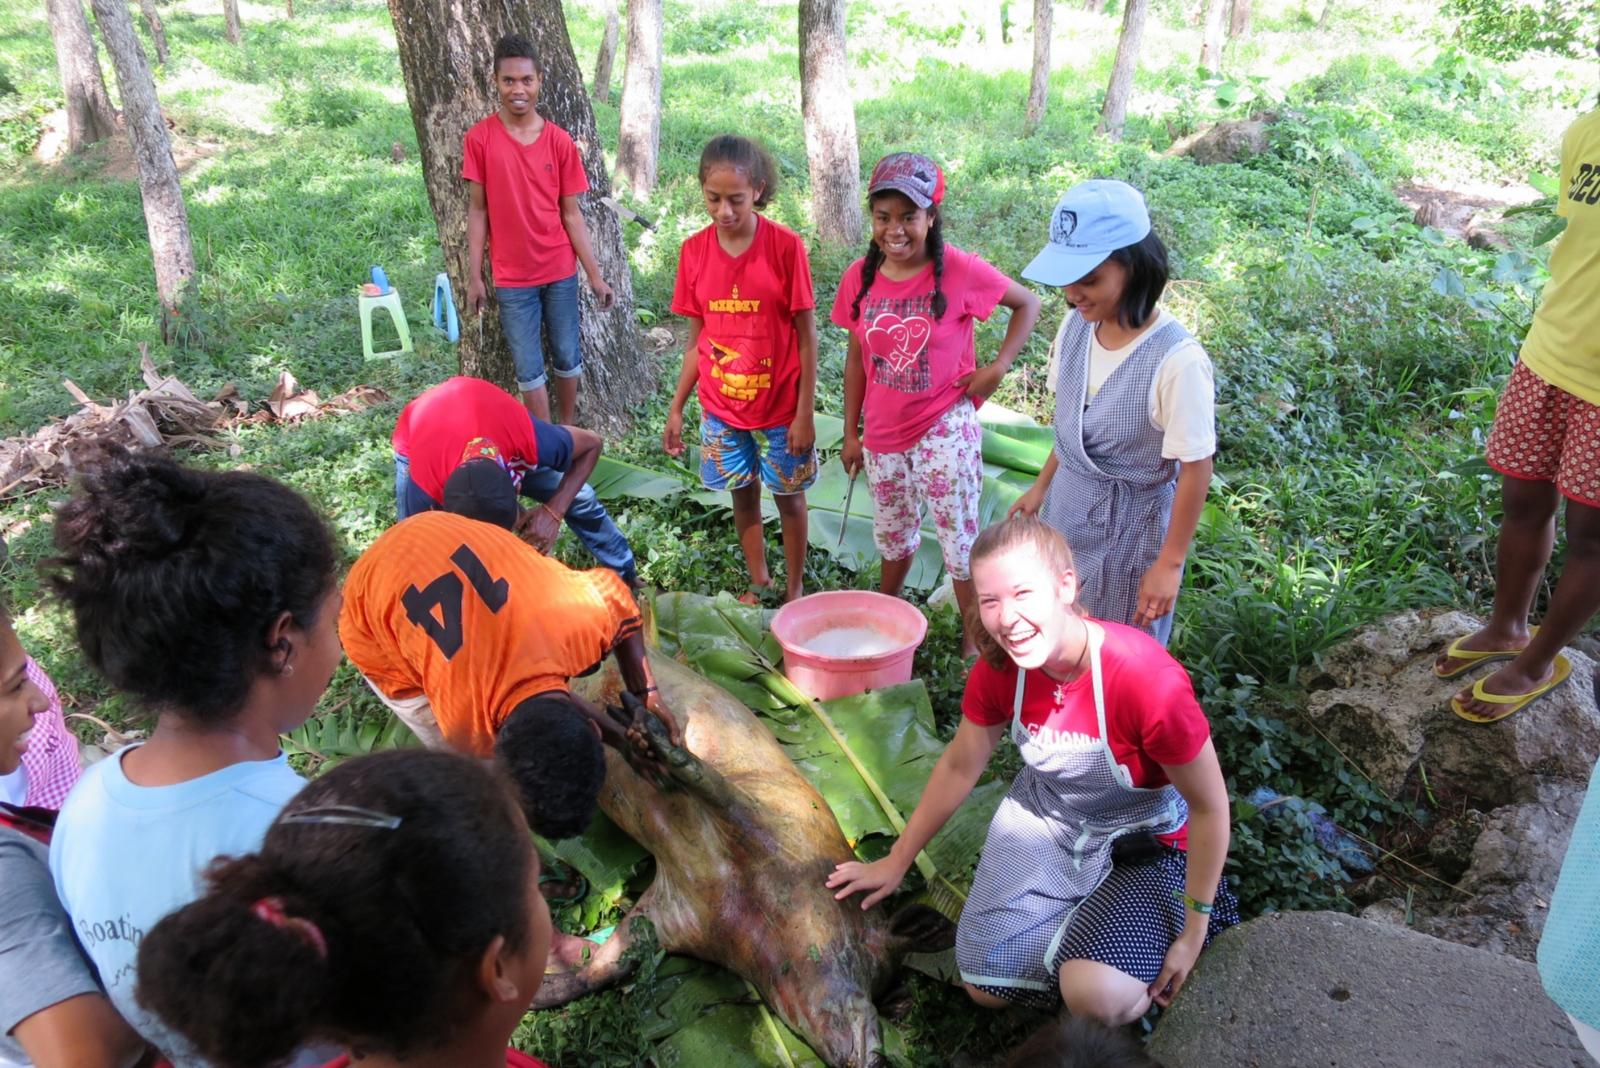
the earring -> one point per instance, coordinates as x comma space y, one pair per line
288, 669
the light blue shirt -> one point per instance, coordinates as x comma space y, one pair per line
124, 856
1569, 950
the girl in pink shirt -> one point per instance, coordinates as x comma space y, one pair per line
910, 306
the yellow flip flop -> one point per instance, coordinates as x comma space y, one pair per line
1474, 657
1511, 703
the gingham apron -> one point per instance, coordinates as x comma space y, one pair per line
1112, 492
1049, 847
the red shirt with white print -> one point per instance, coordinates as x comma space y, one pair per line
1152, 715
912, 360
749, 349
523, 186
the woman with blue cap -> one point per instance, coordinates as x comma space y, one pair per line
1135, 410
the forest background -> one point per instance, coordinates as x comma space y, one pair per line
1358, 351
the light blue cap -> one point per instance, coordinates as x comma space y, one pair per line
1090, 222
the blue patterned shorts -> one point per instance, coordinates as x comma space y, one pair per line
731, 459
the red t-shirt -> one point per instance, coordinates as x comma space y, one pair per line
524, 185
514, 1059
1152, 716
749, 349
913, 360
434, 429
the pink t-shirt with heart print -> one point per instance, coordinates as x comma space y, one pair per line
913, 360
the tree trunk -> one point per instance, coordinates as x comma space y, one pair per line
90, 116
994, 23
1211, 41
165, 218
601, 89
1096, 7
1127, 61
1039, 89
639, 139
445, 57
230, 16
158, 32
1239, 21
1327, 11
830, 123
288, 9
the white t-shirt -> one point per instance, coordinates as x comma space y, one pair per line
1183, 394
14, 786
123, 856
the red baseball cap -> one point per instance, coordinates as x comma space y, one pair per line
917, 177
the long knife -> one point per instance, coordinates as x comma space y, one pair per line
845, 522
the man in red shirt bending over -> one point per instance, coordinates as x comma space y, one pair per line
523, 178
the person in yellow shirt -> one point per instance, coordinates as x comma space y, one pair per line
1546, 444
471, 637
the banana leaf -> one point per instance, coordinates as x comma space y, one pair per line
869, 756
332, 737
613, 478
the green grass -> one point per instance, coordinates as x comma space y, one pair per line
1353, 397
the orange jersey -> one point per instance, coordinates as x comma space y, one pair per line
471, 617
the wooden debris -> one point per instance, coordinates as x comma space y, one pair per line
166, 413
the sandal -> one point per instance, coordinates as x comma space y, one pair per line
1474, 657
1511, 703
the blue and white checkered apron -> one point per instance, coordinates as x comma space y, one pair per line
1049, 847
1112, 493
1569, 950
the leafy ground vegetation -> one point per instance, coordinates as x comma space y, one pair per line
1358, 355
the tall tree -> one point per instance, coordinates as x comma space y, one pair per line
601, 89
158, 32
830, 123
639, 139
230, 18
1120, 88
445, 57
1239, 20
1095, 7
166, 219
90, 116
1211, 39
1039, 88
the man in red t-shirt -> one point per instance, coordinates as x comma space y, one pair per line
464, 418
523, 179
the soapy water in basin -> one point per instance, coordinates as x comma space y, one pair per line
851, 642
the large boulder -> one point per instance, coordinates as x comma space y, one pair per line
1515, 862
1325, 990
1229, 141
1376, 698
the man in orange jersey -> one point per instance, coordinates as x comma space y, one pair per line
471, 636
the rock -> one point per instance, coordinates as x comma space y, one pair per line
1324, 990
1227, 142
1515, 862
1391, 911
1377, 699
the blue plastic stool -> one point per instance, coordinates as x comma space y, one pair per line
389, 300
444, 308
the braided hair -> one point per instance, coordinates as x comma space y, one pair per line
874, 259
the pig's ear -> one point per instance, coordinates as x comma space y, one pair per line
921, 929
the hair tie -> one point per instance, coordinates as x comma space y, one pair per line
270, 910
342, 815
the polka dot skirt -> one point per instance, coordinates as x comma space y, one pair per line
1129, 923
1545, 434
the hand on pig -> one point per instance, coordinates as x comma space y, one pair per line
881, 877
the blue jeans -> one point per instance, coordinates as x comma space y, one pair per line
522, 310
587, 517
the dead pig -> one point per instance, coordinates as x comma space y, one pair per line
743, 845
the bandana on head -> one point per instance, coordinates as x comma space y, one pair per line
483, 449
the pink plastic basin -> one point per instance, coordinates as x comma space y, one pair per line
847, 641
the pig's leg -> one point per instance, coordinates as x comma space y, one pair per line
605, 966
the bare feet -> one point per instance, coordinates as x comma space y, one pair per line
1509, 681
1482, 641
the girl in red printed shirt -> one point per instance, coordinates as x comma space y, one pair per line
909, 305
1091, 888
744, 284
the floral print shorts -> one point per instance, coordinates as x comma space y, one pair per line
944, 471
1545, 434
